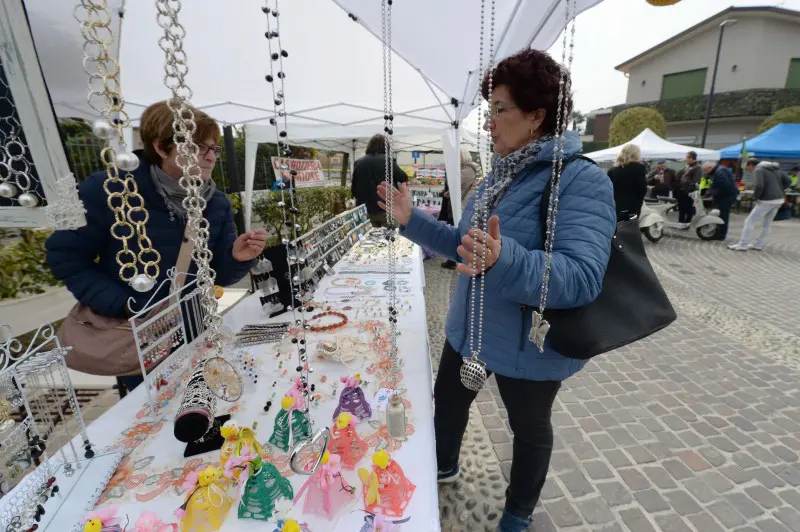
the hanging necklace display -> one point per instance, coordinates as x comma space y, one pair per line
388, 128
473, 370
220, 375
294, 260
539, 326
124, 200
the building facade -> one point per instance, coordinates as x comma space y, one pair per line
758, 74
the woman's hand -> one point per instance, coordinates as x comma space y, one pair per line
249, 245
402, 202
472, 245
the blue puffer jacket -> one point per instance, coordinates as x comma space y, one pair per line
71, 254
584, 227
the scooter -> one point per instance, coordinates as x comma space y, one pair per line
707, 224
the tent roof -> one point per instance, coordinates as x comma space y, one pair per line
334, 69
654, 147
414, 138
779, 142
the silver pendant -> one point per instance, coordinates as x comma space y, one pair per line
539, 330
473, 374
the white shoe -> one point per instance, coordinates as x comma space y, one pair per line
755, 247
739, 247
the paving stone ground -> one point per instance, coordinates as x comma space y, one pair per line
696, 428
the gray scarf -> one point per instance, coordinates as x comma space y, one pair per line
174, 194
506, 169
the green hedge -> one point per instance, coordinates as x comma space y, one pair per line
314, 206
597, 145
789, 115
23, 264
758, 102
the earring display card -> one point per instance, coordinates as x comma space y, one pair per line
79, 483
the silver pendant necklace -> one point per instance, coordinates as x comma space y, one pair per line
473, 370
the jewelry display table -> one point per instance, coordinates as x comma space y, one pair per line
153, 470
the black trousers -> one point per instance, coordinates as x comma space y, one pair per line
529, 404
685, 207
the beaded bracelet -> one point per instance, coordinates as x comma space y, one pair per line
323, 328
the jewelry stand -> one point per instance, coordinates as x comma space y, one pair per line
61, 488
211, 441
165, 332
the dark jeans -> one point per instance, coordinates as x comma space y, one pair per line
132, 381
685, 208
725, 206
529, 404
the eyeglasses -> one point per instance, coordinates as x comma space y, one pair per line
498, 109
203, 149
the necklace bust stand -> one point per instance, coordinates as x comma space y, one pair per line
211, 441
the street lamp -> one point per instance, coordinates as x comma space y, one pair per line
728, 22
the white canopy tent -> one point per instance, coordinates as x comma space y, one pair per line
334, 70
654, 147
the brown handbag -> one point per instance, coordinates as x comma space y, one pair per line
105, 346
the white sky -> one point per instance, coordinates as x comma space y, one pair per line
617, 30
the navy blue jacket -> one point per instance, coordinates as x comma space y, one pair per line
723, 184
71, 254
585, 225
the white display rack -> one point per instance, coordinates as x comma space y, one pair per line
165, 332
30, 381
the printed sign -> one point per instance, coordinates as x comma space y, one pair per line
309, 171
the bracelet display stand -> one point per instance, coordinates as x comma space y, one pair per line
62, 488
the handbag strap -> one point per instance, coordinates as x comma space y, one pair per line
548, 189
184, 261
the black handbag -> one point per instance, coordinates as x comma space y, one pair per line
632, 304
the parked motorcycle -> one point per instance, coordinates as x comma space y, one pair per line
654, 218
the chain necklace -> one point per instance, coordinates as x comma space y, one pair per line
290, 240
125, 201
219, 374
388, 128
473, 370
539, 326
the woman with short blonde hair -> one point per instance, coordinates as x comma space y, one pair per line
629, 177
629, 154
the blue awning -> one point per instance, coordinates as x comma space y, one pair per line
780, 142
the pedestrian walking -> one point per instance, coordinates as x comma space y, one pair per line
768, 196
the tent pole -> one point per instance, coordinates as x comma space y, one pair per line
233, 172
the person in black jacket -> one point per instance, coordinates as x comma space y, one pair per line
368, 172
85, 259
630, 182
723, 191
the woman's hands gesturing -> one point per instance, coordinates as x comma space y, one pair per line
402, 202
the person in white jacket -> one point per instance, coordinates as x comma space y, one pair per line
768, 196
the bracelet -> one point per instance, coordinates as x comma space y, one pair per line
324, 328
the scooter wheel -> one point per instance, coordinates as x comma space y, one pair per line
709, 231
654, 232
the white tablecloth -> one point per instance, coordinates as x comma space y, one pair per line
150, 476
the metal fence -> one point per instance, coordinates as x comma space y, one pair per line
84, 159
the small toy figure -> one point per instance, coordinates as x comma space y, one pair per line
386, 489
104, 520
291, 425
326, 489
352, 400
207, 501
346, 442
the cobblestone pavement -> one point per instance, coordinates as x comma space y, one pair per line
696, 428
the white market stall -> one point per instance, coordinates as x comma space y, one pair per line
654, 147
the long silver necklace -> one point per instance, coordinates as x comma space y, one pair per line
473, 370
294, 258
539, 326
220, 375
